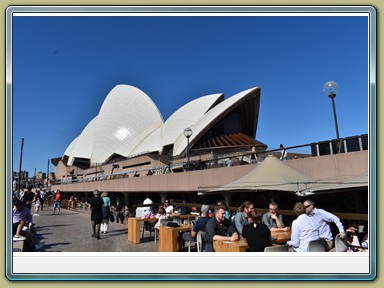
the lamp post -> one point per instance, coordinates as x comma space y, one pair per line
188, 133
331, 89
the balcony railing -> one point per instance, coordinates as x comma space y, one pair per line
240, 156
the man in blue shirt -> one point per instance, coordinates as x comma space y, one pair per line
199, 225
323, 220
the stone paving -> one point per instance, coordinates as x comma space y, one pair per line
71, 232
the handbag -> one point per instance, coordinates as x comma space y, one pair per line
111, 217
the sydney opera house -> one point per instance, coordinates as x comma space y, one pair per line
128, 149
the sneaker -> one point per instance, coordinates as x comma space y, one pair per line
36, 215
18, 238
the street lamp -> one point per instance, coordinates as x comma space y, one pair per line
188, 133
331, 89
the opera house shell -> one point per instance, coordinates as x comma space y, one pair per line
130, 124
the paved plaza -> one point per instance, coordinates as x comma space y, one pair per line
71, 232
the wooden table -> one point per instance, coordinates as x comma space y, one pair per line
240, 246
229, 246
134, 228
281, 237
168, 237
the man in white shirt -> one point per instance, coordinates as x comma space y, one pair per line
323, 219
304, 230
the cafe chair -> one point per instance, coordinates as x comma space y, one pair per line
148, 226
316, 246
200, 238
200, 241
341, 244
277, 248
163, 222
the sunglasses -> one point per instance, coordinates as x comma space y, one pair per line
307, 206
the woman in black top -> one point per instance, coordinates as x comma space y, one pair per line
96, 213
256, 234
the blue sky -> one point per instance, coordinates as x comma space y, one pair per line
64, 67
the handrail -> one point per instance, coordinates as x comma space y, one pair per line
216, 162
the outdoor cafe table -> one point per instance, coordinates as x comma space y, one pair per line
134, 228
278, 238
281, 237
168, 237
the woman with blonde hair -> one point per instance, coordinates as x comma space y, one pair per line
106, 212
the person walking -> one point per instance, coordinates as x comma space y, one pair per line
120, 211
106, 211
56, 203
96, 213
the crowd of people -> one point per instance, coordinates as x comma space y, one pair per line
24, 203
255, 228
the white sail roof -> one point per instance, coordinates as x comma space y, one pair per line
212, 116
129, 123
186, 116
126, 117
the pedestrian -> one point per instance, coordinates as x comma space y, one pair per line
37, 203
106, 212
96, 213
120, 211
56, 203
42, 199
283, 155
27, 198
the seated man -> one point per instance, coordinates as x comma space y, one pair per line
241, 217
200, 225
324, 218
22, 217
273, 219
304, 230
218, 228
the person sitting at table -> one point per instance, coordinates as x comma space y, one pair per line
168, 207
184, 210
160, 215
222, 203
273, 219
256, 234
304, 230
241, 217
199, 225
218, 228
324, 218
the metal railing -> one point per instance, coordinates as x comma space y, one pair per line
216, 160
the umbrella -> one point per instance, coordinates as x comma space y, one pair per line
271, 174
